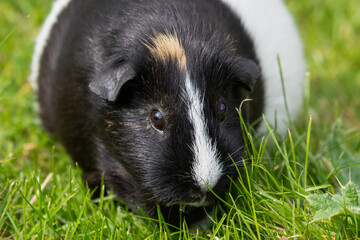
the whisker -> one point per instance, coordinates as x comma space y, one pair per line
236, 151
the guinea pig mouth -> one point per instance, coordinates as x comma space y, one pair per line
202, 203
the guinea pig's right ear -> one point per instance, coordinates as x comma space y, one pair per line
109, 84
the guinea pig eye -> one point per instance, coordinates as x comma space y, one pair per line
157, 120
223, 111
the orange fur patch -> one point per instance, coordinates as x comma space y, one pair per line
164, 47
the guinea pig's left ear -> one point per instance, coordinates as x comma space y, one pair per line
249, 73
109, 84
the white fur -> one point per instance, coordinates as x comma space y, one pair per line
43, 38
207, 168
273, 32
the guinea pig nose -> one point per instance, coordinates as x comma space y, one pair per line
195, 198
194, 195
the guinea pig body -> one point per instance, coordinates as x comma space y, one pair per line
146, 91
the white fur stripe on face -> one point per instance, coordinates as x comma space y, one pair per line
42, 40
207, 168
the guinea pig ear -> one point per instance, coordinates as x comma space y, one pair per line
249, 73
109, 84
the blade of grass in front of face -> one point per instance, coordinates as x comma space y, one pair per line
307, 153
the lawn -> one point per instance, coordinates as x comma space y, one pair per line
281, 195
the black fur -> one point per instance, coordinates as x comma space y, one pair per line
110, 132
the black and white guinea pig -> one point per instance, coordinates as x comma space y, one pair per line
146, 91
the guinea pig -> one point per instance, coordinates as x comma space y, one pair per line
146, 92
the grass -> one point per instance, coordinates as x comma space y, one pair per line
42, 195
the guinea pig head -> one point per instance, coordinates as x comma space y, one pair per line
169, 116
